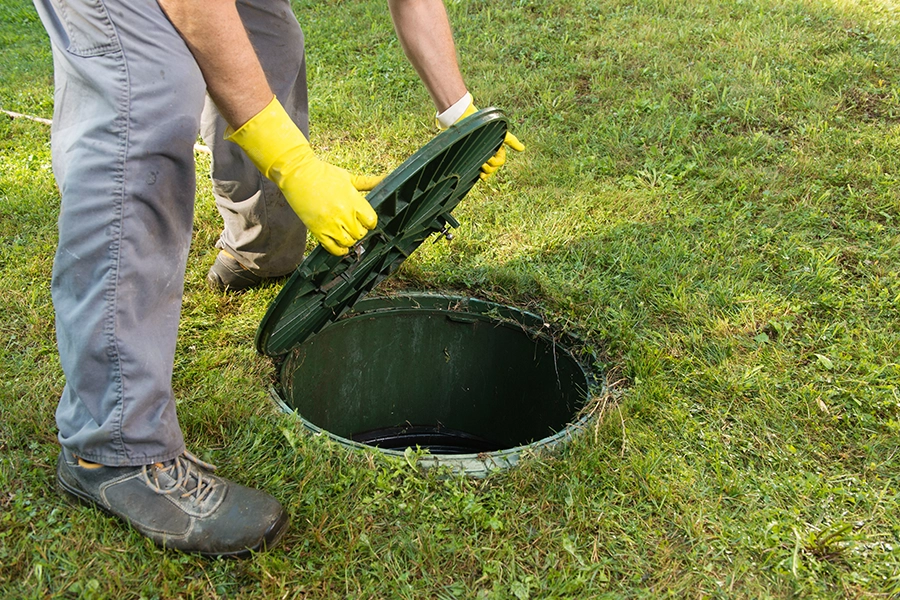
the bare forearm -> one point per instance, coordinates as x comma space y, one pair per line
216, 37
424, 32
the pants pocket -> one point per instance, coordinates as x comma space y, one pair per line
87, 26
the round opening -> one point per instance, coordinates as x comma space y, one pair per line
473, 382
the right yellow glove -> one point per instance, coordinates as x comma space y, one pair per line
499, 158
325, 197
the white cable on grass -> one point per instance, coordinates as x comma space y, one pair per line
16, 115
197, 147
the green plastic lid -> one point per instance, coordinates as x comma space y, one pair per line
412, 203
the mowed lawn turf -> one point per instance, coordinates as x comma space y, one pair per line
710, 196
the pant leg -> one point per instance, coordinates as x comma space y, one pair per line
128, 97
260, 229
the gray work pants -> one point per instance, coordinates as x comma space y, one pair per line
128, 104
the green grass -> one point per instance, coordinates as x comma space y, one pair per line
710, 195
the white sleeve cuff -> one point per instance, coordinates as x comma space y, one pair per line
452, 114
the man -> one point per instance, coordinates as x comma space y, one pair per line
135, 81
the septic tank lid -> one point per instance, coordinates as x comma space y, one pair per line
412, 203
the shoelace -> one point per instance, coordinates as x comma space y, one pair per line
182, 469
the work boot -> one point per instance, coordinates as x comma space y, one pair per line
178, 504
227, 273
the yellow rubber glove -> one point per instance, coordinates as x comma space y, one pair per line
325, 197
499, 159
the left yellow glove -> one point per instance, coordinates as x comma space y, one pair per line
499, 159
325, 197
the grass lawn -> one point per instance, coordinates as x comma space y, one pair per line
710, 195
